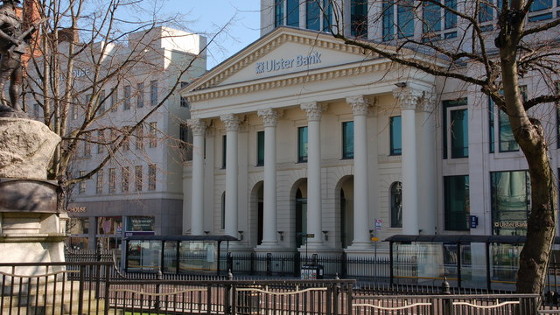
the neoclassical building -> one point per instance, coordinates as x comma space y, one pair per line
298, 138
302, 142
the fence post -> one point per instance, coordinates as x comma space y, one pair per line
229, 261
228, 303
344, 265
107, 284
446, 302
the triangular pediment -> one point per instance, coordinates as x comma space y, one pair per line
283, 52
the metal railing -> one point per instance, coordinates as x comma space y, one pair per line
92, 288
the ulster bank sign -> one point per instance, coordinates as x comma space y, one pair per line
298, 61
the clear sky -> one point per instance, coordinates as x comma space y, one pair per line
241, 19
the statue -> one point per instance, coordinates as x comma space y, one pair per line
13, 44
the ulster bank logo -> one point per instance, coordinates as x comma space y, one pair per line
274, 65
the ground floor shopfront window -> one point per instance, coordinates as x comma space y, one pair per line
511, 193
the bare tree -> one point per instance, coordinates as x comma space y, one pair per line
93, 59
497, 44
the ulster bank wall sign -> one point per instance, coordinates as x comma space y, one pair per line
295, 62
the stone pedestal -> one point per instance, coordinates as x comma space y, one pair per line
31, 229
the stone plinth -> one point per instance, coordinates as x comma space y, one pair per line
26, 148
31, 229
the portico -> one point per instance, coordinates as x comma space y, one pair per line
298, 130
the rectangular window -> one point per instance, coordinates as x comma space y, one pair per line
140, 95
125, 179
224, 151
152, 177
511, 202
126, 135
260, 148
99, 184
302, 144
388, 20
540, 5
405, 18
313, 15
395, 130
87, 144
327, 15
127, 96
101, 102
359, 18
82, 185
153, 93
457, 204
185, 142
348, 140
459, 133
506, 139
100, 141
112, 180
140, 137
138, 178
436, 19
184, 102
292, 12
74, 109
114, 99
455, 124
153, 134
278, 13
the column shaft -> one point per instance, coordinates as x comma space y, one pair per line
197, 197
232, 126
361, 187
409, 173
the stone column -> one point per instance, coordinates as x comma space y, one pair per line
198, 128
232, 126
314, 216
360, 109
270, 119
408, 100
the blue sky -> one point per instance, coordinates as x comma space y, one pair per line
241, 19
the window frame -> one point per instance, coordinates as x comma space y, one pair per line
450, 221
140, 95
260, 147
302, 143
449, 106
347, 153
393, 149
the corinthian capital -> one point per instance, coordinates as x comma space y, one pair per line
313, 110
269, 116
408, 97
231, 122
360, 105
197, 126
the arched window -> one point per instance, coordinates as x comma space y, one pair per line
396, 205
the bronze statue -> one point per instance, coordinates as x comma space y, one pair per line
12, 46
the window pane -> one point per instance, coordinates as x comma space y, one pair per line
278, 13
405, 18
396, 135
348, 140
507, 140
539, 5
485, 11
450, 18
302, 144
224, 148
140, 96
432, 17
396, 205
358, 18
327, 15
388, 20
447, 125
510, 202
313, 14
459, 134
457, 204
260, 148
292, 8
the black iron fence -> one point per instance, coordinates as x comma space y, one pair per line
93, 288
